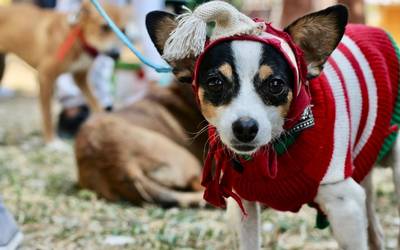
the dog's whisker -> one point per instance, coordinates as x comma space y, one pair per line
207, 143
202, 122
199, 133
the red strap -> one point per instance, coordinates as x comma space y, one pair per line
63, 50
237, 199
207, 169
218, 188
271, 163
216, 192
213, 193
227, 182
394, 128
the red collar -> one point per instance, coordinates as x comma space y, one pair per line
74, 34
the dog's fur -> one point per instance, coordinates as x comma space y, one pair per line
143, 152
35, 35
343, 202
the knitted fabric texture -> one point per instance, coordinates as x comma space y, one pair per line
352, 103
189, 37
390, 140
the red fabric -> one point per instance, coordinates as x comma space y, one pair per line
288, 181
377, 47
294, 183
217, 187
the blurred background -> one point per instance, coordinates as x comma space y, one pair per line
39, 184
380, 13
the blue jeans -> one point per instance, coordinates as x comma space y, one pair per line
10, 235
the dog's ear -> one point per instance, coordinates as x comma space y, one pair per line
318, 34
159, 25
86, 7
85, 11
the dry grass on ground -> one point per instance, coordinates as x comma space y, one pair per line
39, 187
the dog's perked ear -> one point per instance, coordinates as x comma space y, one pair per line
86, 9
318, 34
159, 25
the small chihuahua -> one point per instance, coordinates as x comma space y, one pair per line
297, 116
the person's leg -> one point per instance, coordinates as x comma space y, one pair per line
4, 92
67, 92
74, 110
2, 65
141, 8
10, 236
293, 9
356, 9
100, 80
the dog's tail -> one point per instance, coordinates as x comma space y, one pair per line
154, 192
2, 65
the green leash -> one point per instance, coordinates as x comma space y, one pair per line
127, 66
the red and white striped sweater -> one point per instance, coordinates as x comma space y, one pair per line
352, 103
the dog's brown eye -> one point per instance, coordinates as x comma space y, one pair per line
105, 28
276, 86
215, 84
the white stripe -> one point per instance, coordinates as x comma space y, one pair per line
335, 171
352, 86
288, 51
372, 93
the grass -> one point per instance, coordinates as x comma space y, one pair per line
39, 186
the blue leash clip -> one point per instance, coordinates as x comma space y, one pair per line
125, 40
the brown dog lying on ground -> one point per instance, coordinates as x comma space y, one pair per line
54, 43
144, 152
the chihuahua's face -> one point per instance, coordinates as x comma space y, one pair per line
246, 87
245, 91
96, 31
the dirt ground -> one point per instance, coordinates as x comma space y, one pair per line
39, 186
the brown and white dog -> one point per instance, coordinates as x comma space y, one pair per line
245, 91
143, 153
53, 43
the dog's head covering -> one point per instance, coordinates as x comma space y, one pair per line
190, 39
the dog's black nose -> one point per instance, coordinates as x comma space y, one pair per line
245, 129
